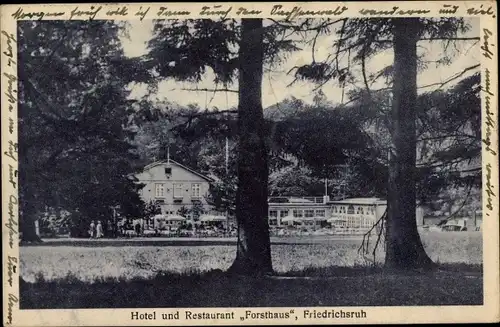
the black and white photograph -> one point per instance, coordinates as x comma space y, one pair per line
225, 162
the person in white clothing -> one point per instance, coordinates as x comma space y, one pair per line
99, 230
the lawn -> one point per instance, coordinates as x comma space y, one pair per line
148, 274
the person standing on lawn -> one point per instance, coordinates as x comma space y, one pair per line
92, 229
99, 230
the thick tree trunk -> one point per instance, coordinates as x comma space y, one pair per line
28, 231
404, 248
27, 209
253, 256
27, 220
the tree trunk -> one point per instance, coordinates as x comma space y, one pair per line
27, 226
253, 256
404, 248
28, 231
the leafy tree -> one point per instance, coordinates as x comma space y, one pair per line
74, 115
213, 162
295, 181
196, 210
183, 211
322, 140
222, 195
151, 209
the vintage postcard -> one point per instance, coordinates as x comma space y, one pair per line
250, 163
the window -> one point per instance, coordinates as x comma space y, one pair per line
350, 210
273, 213
178, 191
320, 213
283, 213
298, 213
195, 190
159, 191
309, 213
168, 171
273, 222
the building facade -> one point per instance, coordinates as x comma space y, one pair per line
307, 211
355, 215
173, 186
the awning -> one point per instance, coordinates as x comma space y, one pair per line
175, 218
208, 218
169, 218
336, 220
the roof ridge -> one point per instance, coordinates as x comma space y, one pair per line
158, 162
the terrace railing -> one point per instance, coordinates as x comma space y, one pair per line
295, 199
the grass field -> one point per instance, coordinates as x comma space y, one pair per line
148, 274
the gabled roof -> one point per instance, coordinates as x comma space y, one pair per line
161, 162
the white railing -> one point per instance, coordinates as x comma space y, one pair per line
295, 199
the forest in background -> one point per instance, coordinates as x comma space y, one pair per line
81, 136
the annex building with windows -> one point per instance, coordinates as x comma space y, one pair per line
348, 216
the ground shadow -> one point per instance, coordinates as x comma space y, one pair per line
333, 286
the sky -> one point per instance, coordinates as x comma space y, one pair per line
275, 83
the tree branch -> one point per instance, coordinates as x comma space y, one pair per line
363, 70
207, 90
314, 45
302, 29
454, 77
451, 39
446, 136
209, 113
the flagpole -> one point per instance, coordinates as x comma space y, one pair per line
168, 150
227, 156
227, 168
